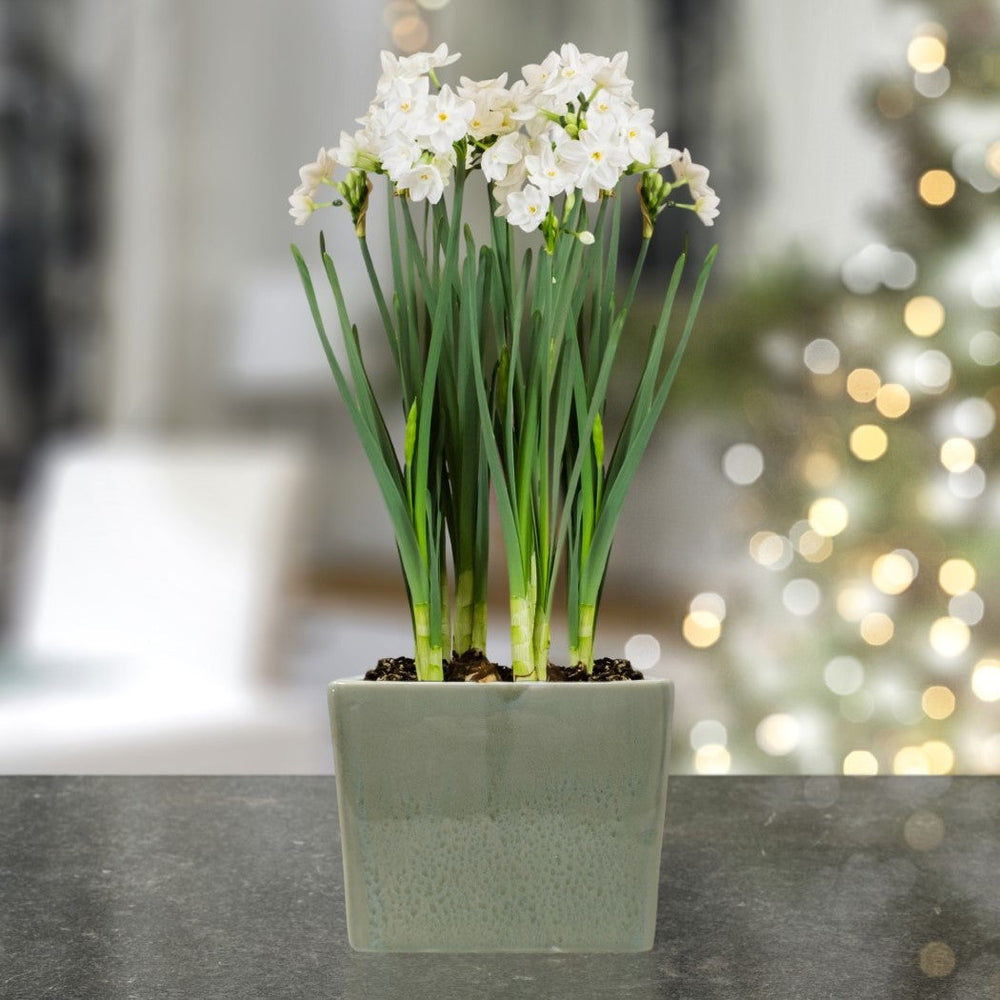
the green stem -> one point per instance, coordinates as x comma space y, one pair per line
521, 654
584, 652
464, 608
541, 640
429, 658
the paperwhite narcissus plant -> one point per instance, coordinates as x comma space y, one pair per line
504, 360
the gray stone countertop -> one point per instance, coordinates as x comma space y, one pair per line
785, 888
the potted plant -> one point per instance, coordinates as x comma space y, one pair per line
512, 815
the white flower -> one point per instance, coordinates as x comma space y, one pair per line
611, 76
692, 174
527, 208
359, 150
660, 152
423, 182
537, 76
498, 159
410, 67
405, 106
574, 74
554, 173
640, 135
607, 112
491, 99
446, 120
320, 172
302, 206
399, 155
606, 161
707, 207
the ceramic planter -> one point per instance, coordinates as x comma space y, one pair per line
501, 817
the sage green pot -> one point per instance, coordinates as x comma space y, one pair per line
501, 817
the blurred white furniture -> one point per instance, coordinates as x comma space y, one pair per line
151, 596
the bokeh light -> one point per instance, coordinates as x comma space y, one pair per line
863, 384
936, 187
712, 758
938, 702
926, 53
986, 680
958, 454
801, 596
923, 315
892, 400
868, 442
911, 760
876, 628
706, 732
844, 675
821, 356
701, 629
957, 576
828, 516
743, 464
771, 550
778, 734
893, 572
932, 371
984, 348
643, 651
860, 762
949, 637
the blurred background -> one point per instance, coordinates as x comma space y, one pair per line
191, 544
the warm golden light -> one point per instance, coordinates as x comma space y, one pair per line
957, 576
892, 573
828, 516
911, 760
863, 385
876, 628
820, 469
868, 442
853, 603
813, 547
712, 758
861, 762
949, 636
940, 756
938, 702
923, 315
892, 400
926, 53
778, 734
936, 187
986, 680
701, 629
958, 454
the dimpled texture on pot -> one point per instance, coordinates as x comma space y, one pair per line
500, 817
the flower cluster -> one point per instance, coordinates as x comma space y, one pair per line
569, 125
504, 360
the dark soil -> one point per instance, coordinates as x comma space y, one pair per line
473, 666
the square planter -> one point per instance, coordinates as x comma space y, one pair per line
501, 817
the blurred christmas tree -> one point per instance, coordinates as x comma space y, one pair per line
867, 635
